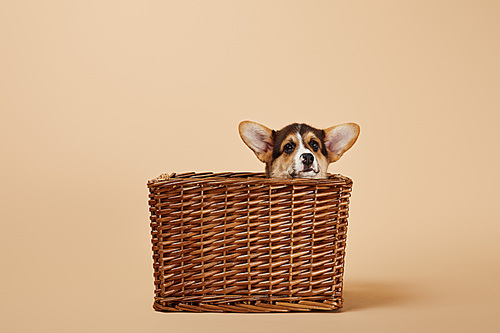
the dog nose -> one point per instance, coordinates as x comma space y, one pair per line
307, 158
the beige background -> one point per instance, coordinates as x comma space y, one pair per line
97, 97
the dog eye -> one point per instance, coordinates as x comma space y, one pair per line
314, 145
288, 148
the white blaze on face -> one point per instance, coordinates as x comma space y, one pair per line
301, 149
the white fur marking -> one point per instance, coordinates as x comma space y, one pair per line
299, 166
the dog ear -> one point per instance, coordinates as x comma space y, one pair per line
338, 139
258, 138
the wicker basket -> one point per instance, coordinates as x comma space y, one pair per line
241, 242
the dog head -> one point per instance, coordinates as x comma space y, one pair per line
298, 150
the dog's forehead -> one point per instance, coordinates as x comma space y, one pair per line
293, 129
307, 131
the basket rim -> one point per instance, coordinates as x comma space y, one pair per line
247, 178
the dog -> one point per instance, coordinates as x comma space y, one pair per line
298, 150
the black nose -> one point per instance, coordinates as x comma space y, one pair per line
307, 158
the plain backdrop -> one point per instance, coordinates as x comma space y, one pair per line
97, 97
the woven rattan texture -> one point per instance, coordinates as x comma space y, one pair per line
240, 242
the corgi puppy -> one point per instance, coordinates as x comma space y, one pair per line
298, 150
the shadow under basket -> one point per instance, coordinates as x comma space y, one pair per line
241, 242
